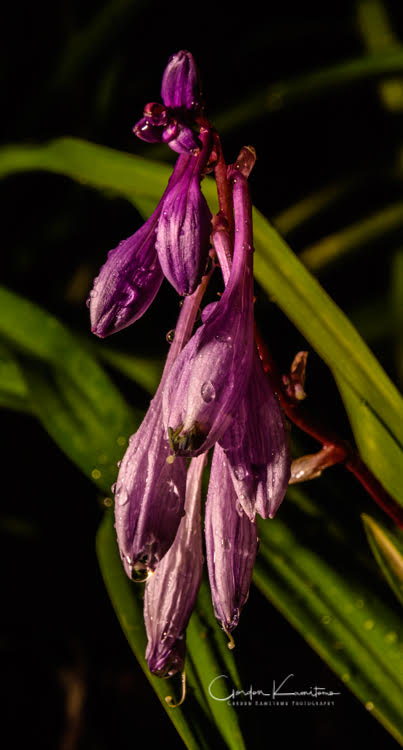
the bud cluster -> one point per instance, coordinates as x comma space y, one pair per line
213, 392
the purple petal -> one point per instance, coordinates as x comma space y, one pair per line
180, 83
231, 544
131, 277
127, 282
147, 131
171, 591
183, 232
180, 138
257, 448
150, 494
209, 378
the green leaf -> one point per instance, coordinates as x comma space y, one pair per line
69, 391
349, 240
388, 552
376, 445
198, 721
143, 370
13, 389
315, 575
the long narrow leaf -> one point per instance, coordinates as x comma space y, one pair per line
388, 552
310, 572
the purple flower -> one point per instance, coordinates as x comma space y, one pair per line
131, 277
149, 496
231, 544
128, 282
171, 591
210, 376
183, 234
257, 450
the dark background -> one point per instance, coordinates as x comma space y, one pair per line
86, 70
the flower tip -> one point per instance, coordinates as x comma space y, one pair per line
181, 83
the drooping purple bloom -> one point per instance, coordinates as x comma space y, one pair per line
257, 449
127, 283
150, 494
131, 277
231, 544
183, 234
210, 376
150, 491
171, 591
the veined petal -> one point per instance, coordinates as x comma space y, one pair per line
181, 138
184, 227
180, 87
128, 282
150, 494
131, 277
257, 448
209, 378
231, 544
171, 591
147, 131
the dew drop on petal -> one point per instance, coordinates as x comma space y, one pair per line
240, 472
207, 391
170, 336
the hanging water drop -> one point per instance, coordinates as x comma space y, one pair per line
207, 391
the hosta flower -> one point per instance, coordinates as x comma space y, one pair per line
150, 491
256, 447
131, 277
213, 390
171, 591
231, 544
210, 376
149, 495
183, 233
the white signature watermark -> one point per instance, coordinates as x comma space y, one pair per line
280, 694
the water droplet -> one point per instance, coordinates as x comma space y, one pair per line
224, 339
391, 637
207, 391
122, 496
369, 706
240, 473
326, 619
170, 336
369, 624
108, 502
95, 474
